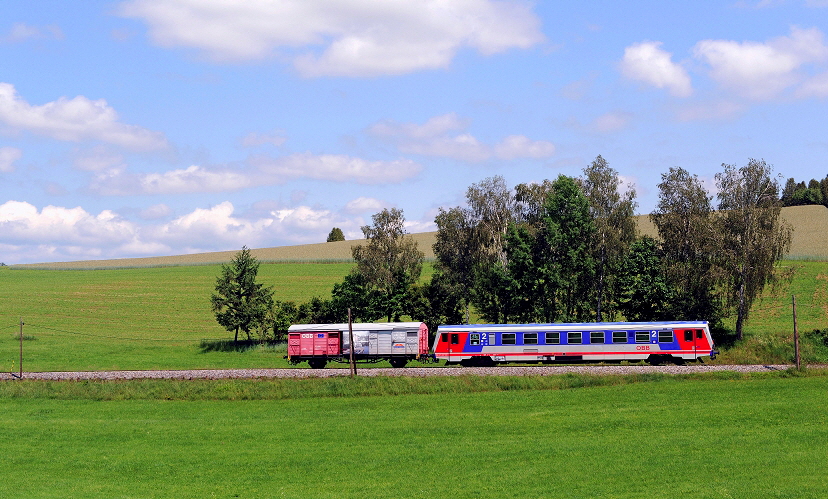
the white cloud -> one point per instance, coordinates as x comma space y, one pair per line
335, 167
155, 212
816, 86
341, 37
8, 155
761, 71
648, 63
439, 137
363, 204
193, 179
519, 146
75, 119
21, 32
22, 222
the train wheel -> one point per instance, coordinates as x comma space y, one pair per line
317, 363
397, 362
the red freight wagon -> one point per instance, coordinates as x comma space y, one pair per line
396, 342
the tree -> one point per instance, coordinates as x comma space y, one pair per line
240, 303
456, 254
643, 292
685, 226
335, 235
492, 207
754, 237
391, 262
567, 236
612, 214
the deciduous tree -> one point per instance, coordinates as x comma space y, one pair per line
390, 262
684, 219
612, 213
754, 237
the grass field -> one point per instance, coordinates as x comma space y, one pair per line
149, 318
730, 436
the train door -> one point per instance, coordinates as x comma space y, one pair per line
373, 342
692, 340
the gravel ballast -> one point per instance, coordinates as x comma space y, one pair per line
408, 371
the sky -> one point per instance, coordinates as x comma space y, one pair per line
164, 127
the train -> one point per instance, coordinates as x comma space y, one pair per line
491, 344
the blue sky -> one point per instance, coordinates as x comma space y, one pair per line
149, 127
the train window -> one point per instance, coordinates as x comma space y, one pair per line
553, 338
699, 334
574, 338
474, 339
642, 336
665, 336
619, 336
455, 339
530, 338
507, 339
596, 337
688, 335
444, 338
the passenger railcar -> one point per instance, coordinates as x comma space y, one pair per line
656, 342
396, 342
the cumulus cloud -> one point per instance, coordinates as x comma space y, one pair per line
8, 155
21, 222
759, 71
56, 233
647, 62
341, 37
75, 120
443, 136
335, 167
363, 204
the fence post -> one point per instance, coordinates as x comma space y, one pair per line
21, 348
351, 340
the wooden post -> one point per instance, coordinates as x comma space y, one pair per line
351, 341
796, 335
21, 348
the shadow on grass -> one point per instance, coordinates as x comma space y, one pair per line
723, 338
222, 345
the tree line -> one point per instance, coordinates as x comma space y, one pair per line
563, 250
799, 193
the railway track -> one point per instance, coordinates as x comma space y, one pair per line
193, 374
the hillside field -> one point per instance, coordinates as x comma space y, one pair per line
810, 242
156, 317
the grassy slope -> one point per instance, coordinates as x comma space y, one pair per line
764, 437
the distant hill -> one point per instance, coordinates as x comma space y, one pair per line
810, 241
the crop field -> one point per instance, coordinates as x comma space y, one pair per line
725, 436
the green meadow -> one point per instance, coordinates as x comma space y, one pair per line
725, 435
156, 318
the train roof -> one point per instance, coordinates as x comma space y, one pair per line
572, 325
356, 326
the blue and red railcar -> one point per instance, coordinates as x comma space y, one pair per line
484, 344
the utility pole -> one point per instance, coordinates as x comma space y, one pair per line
21, 348
796, 335
351, 342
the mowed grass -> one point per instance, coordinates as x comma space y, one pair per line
739, 436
